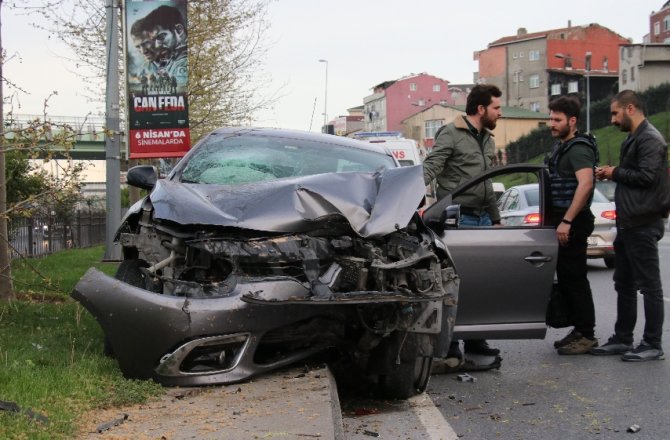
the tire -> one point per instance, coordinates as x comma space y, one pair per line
609, 262
128, 272
409, 377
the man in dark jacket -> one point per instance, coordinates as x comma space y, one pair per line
641, 199
571, 170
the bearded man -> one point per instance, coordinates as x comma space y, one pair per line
572, 176
463, 149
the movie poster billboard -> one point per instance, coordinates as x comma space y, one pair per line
156, 77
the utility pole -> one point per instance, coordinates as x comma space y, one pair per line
112, 133
325, 99
6, 287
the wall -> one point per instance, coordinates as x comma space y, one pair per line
664, 34
650, 64
402, 101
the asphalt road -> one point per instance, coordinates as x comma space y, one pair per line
537, 394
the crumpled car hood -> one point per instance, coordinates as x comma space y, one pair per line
374, 204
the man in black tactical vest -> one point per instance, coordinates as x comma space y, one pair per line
571, 169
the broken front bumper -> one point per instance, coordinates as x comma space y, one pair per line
158, 336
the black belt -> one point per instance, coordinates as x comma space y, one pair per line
469, 211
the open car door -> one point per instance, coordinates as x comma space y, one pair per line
506, 272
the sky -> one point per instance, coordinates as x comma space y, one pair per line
365, 42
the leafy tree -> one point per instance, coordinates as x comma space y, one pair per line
23, 179
27, 189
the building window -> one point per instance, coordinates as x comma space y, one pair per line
632, 73
436, 87
666, 23
514, 55
431, 128
534, 81
412, 87
624, 76
521, 54
555, 89
533, 55
657, 28
573, 87
421, 103
534, 106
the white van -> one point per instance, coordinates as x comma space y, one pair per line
406, 151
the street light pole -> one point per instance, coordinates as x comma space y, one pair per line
587, 76
325, 99
587, 69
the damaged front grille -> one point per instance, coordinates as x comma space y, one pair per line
397, 263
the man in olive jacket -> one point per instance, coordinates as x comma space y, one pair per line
642, 202
463, 149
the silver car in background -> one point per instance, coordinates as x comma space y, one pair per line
519, 206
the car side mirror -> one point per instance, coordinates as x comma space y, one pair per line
452, 216
142, 176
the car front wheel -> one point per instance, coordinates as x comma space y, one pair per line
408, 368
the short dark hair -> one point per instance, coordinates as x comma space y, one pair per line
627, 97
481, 94
137, 28
569, 105
167, 17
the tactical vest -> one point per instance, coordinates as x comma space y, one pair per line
563, 188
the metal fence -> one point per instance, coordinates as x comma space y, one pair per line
43, 235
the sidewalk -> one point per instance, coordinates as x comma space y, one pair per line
293, 403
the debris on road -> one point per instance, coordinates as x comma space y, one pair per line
465, 377
109, 425
634, 428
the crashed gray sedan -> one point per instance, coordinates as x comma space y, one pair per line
264, 247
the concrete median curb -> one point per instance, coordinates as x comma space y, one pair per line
297, 402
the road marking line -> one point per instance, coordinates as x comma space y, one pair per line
431, 418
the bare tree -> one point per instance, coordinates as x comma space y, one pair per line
6, 288
226, 50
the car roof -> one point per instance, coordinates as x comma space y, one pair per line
525, 187
303, 136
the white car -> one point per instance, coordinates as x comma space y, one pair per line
519, 206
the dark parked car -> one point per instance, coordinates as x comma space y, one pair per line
264, 247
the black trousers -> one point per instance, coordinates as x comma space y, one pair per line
636, 268
571, 272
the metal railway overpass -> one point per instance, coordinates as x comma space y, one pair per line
89, 142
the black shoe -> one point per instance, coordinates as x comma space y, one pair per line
644, 352
479, 346
570, 337
612, 346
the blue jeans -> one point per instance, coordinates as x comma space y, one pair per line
473, 220
636, 267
